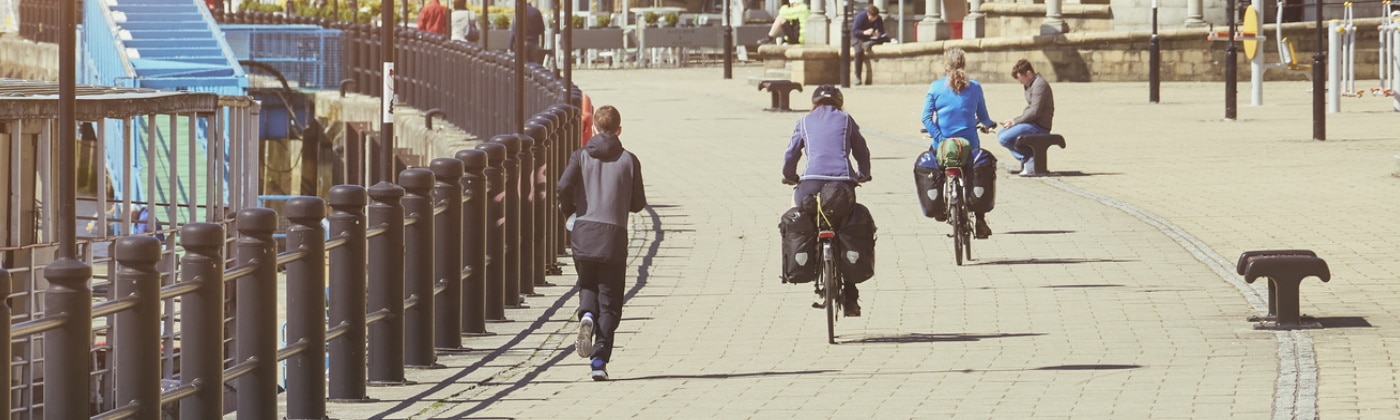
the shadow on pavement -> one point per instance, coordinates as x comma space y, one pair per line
1052, 261
1089, 367
1038, 232
1062, 174
1343, 322
726, 375
937, 338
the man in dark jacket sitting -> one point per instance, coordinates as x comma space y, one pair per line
601, 184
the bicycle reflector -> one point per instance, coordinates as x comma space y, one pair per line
826, 234
953, 171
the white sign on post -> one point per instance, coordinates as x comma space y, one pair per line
388, 93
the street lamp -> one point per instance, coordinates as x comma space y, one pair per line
1154, 65
846, 43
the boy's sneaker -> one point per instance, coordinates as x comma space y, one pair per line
584, 344
600, 370
819, 301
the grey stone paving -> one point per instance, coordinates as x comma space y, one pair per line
1076, 308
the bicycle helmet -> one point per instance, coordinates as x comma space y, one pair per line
827, 95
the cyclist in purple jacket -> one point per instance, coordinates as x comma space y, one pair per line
829, 137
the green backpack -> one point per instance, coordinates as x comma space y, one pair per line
953, 152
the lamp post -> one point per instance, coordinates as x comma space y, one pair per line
1154, 65
727, 40
1231, 55
846, 43
1319, 57
386, 126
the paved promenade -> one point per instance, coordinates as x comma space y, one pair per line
1106, 292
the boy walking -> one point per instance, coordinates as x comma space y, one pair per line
601, 184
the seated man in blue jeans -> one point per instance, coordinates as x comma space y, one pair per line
1040, 110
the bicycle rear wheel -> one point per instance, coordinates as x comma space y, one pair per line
833, 291
959, 229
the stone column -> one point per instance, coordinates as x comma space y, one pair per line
933, 28
1054, 22
1194, 16
975, 23
818, 24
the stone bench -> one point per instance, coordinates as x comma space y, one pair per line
1038, 144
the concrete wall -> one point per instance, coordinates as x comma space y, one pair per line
27, 60
1016, 19
1074, 57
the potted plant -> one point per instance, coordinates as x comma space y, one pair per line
578, 21
650, 18
671, 19
501, 21
604, 21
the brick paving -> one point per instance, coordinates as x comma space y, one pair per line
1106, 292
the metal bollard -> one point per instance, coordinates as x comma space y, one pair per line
418, 268
544, 229
66, 348
526, 223
511, 219
137, 330
5, 374
386, 285
539, 202
256, 334
347, 305
202, 320
473, 241
447, 252
495, 230
306, 324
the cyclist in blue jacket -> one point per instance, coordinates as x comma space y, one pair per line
829, 137
954, 107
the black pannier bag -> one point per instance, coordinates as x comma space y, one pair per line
837, 197
928, 186
856, 245
982, 182
799, 235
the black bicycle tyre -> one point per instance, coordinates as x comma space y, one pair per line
829, 282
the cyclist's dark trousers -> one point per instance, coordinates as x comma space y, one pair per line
600, 292
813, 186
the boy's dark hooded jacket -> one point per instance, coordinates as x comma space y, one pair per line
602, 183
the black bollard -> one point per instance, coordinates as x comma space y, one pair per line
386, 340
544, 228
306, 309
202, 320
495, 230
511, 219
137, 331
526, 247
473, 241
347, 306
5, 351
256, 337
539, 202
418, 268
447, 252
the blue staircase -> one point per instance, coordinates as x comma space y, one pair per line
172, 45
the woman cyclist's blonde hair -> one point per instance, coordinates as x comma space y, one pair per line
954, 61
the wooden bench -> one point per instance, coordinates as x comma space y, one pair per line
780, 90
1038, 144
1285, 270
